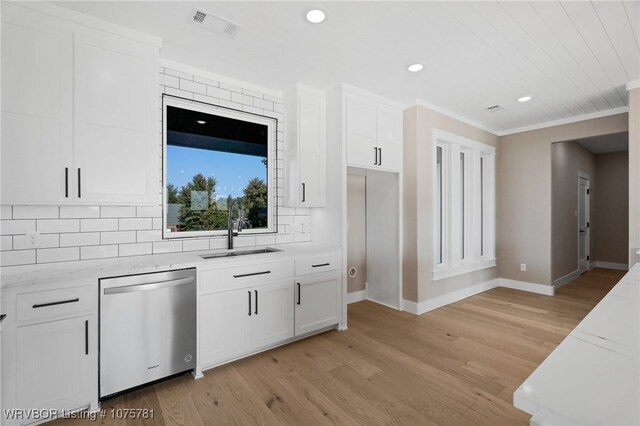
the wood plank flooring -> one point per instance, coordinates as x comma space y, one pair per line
457, 365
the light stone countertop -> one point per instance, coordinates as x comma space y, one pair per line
85, 270
593, 376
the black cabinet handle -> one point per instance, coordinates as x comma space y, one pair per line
256, 311
249, 302
380, 157
79, 183
304, 192
251, 274
320, 265
86, 337
66, 182
299, 293
61, 302
375, 152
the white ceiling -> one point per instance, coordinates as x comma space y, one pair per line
604, 144
574, 58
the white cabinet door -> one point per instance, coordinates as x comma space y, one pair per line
56, 364
361, 131
116, 146
311, 146
225, 325
389, 137
272, 313
36, 107
317, 303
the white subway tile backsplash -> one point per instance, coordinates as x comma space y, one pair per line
18, 257
13, 227
261, 103
148, 236
169, 81
167, 247
206, 99
136, 224
253, 93
252, 110
58, 254
80, 239
194, 245
301, 238
6, 242
229, 104
155, 211
278, 108
219, 93
284, 238
117, 212
54, 226
79, 212
20, 242
95, 225
178, 92
266, 239
217, 243
6, 212
119, 237
157, 223
231, 87
273, 98
36, 212
242, 99
135, 249
192, 86
177, 73
98, 252
206, 81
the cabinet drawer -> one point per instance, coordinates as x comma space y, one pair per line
246, 275
319, 264
66, 302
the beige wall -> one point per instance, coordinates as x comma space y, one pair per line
566, 159
419, 123
634, 175
524, 195
357, 233
610, 218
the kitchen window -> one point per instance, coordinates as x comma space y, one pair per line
463, 205
217, 161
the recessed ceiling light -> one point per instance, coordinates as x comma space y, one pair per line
415, 67
315, 16
524, 99
201, 122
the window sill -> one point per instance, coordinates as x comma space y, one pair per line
462, 269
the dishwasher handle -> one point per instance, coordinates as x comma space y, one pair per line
146, 287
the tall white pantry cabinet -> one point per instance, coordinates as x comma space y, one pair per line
79, 112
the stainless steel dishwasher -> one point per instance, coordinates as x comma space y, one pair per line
147, 328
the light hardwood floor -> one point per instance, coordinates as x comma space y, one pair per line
457, 365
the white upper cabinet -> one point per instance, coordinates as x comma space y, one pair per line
373, 132
116, 139
37, 90
79, 113
306, 145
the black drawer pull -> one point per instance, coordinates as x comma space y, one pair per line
251, 274
79, 183
320, 265
86, 337
299, 293
62, 302
66, 182
249, 291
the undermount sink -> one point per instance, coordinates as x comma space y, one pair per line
239, 253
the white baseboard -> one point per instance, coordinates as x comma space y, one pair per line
548, 290
566, 279
446, 299
356, 296
610, 265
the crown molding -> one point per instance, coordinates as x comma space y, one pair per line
635, 84
450, 114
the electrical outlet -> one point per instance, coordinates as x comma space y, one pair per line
523, 267
33, 239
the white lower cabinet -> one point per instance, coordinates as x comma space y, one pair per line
317, 302
55, 366
241, 321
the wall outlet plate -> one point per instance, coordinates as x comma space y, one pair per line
523, 267
33, 239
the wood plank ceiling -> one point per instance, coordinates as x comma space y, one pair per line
574, 58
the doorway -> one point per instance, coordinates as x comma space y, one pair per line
584, 190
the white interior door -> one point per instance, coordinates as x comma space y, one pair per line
583, 223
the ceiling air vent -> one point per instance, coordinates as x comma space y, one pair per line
496, 108
214, 23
